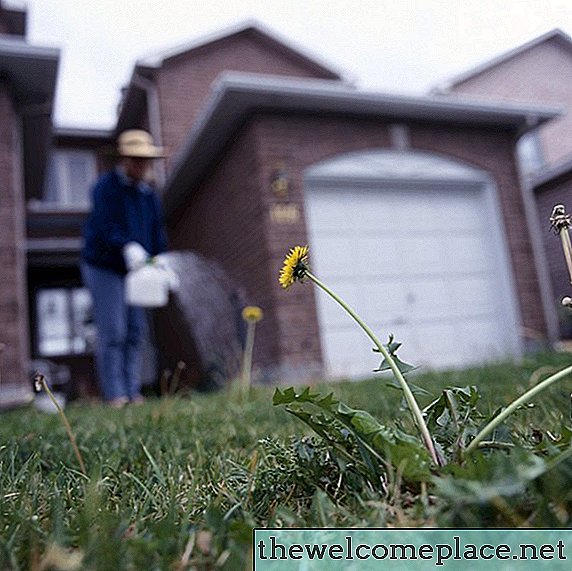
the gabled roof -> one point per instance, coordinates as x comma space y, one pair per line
134, 96
248, 27
236, 95
553, 35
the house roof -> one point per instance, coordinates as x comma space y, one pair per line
31, 70
561, 170
553, 35
235, 95
248, 27
134, 96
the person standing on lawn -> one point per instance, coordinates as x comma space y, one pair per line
123, 230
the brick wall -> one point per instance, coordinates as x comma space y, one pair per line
184, 83
542, 76
228, 217
224, 220
13, 306
547, 196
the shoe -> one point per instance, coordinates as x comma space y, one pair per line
118, 402
137, 400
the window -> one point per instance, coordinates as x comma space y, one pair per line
71, 174
64, 325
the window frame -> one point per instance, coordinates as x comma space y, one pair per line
74, 332
61, 178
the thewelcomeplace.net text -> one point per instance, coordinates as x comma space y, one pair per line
348, 549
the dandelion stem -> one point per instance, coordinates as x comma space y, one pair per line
409, 397
524, 398
65, 421
247, 357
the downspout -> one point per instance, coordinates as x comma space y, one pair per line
154, 115
540, 263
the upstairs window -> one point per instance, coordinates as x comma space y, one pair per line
71, 174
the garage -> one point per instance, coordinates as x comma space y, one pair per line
414, 243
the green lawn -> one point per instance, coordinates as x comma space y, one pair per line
179, 482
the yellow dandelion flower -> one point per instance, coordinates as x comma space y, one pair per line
252, 313
295, 266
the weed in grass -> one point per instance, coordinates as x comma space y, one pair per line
40, 383
510, 466
296, 268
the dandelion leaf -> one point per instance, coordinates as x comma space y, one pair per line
392, 346
341, 425
453, 418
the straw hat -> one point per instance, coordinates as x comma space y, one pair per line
137, 143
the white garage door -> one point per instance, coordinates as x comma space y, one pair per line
423, 261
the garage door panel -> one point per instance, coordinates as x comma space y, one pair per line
474, 295
439, 344
386, 304
326, 213
369, 213
460, 211
421, 253
419, 262
349, 353
428, 298
337, 251
468, 251
482, 340
376, 255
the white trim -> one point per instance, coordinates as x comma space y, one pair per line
54, 244
17, 47
35, 206
400, 136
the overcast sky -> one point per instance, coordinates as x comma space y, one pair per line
405, 46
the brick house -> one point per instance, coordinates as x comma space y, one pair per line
412, 207
537, 72
27, 84
540, 72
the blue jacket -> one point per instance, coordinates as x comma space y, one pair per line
122, 211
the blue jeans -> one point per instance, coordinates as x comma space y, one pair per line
120, 329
